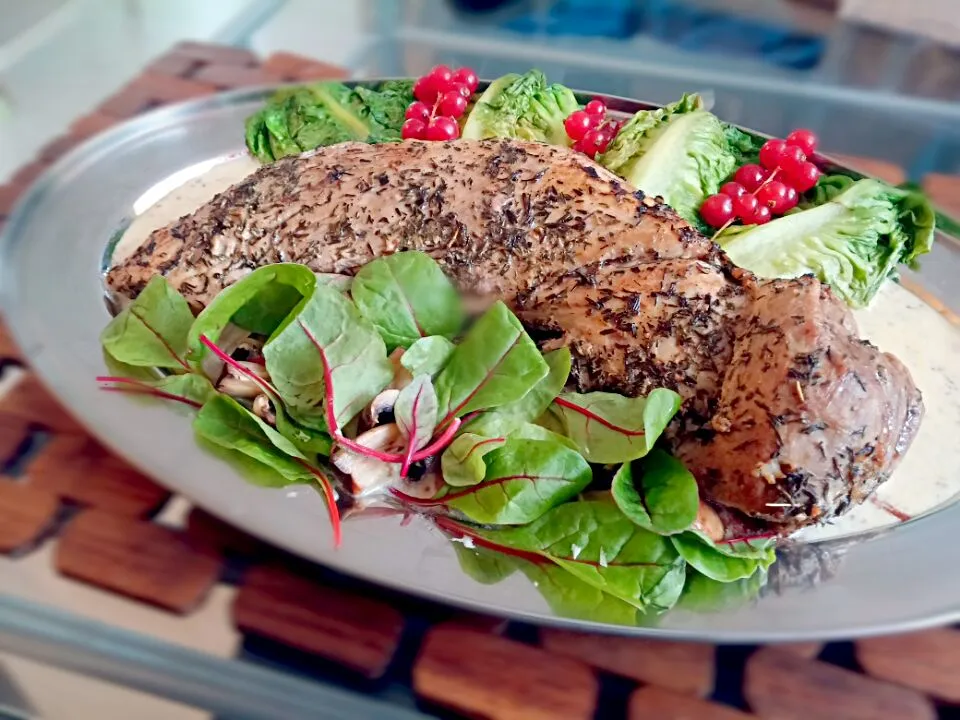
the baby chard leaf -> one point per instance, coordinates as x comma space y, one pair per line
327, 356
406, 297
610, 428
497, 363
524, 479
152, 331
462, 462
657, 493
427, 356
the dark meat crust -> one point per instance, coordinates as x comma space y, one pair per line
787, 415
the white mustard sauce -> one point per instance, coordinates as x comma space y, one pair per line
897, 321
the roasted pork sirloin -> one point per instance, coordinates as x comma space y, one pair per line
788, 416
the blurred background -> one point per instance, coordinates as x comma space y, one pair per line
878, 78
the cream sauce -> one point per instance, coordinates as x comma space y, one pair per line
897, 321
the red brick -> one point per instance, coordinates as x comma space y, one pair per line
9, 194
296, 67
227, 77
57, 148
220, 54
25, 513
92, 124
28, 174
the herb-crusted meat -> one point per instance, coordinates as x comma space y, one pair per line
787, 415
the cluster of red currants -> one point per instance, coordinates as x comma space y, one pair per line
441, 96
759, 192
589, 129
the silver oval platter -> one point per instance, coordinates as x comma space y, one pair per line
874, 574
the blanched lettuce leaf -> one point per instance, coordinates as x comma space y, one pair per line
303, 118
680, 152
853, 241
522, 107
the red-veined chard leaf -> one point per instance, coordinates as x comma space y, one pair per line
327, 341
496, 363
223, 422
702, 594
462, 462
152, 331
610, 428
705, 558
187, 388
658, 493
596, 543
485, 566
754, 547
427, 356
415, 411
259, 302
505, 419
524, 479
406, 297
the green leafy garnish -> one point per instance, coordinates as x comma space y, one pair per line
327, 345
427, 356
610, 428
407, 297
707, 559
152, 331
658, 494
680, 152
496, 363
523, 480
853, 241
462, 462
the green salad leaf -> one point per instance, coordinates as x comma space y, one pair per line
853, 242
596, 543
523, 480
522, 107
407, 297
427, 356
496, 363
415, 411
506, 419
327, 337
152, 331
609, 428
657, 493
223, 422
680, 152
703, 594
462, 464
303, 118
569, 596
707, 559
485, 566
259, 303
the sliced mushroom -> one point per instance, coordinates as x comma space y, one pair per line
231, 337
424, 487
263, 409
380, 409
709, 523
401, 376
367, 473
238, 385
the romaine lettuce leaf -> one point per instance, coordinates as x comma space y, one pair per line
522, 107
680, 152
853, 242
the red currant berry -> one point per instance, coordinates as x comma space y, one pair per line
790, 202
774, 196
466, 92
452, 104
717, 210
418, 111
596, 108
467, 77
442, 128
791, 153
771, 154
804, 139
577, 123
745, 206
761, 216
424, 91
592, 140
751, 176
413, 129
801, 176
733, 189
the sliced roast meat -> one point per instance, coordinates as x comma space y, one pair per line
788, 416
